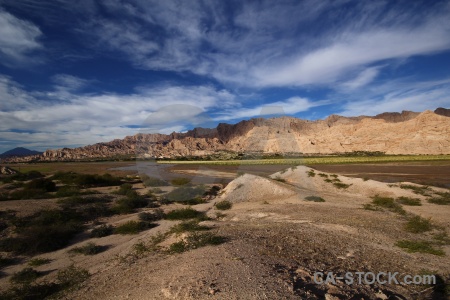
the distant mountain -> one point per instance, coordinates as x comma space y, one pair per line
442, 111
393, 133
19, 151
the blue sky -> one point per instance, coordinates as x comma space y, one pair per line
79, 72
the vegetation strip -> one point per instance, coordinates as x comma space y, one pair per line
314, 160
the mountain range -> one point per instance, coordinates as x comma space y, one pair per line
393, 133
19, 151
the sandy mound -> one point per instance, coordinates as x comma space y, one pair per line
298, 177
254, 188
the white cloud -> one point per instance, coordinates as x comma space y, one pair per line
363, 78
83, 119
264, 44
69, 82
328, 64
18, 38
289, 106
400, 96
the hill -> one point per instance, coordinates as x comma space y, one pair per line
393, 133
19, 151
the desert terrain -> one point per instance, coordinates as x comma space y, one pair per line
278, 228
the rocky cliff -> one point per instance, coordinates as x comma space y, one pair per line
394, 133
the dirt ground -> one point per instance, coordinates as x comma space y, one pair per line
275, 242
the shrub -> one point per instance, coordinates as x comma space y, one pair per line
44, 231
87, 180
443, 199
72, 276
341, 185
180, 181
68, 191
128, 204
28, 193
26, 275
101, 231
421, 190
418, 224
184, 214
83, 200
311, 173
323, 175
88, 249
334, 176
6, 261
419, 246
442, 238
280, 179
186, 195
156, 190
35, 262
124, 189
44, 184
133, 227
314, 199
223, 205
328, 180
152, 181
66, 278
409, 201
388, 203
188, 226
157, 215
196, 240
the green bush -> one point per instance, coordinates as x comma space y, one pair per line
311, 173
44, 184
419, 246
314, 199
35, 262
22, 176
26, 275
223, 205
157, 215
196, 240
280, 179
184, 214
102, 231
67, 278
418, 224
186, 195
44, 231
421, 190
152, 181
88, 249
87, 180
388, 203
409, 201
188, 226
180, 181
67, 191
27, 193
131, 202
341, 185
133, 227
443, 199
72, 276
124, 189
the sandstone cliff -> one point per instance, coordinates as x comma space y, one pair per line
394, 133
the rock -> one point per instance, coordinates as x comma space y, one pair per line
442, 111
7, 171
